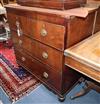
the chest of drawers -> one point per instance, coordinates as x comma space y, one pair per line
54, 4
40, 37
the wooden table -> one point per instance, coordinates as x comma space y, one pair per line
84, 57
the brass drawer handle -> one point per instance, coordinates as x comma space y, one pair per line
45, 55
19, 30
44, 32
45, 75
17, 24
23, 59
20, 42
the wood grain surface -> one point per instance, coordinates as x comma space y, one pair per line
53, 4
85, 54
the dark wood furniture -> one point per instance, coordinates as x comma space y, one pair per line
40, 37
54, 4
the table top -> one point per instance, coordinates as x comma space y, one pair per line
87, 53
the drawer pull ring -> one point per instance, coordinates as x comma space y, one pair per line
20, 42
17, 24
43, 32
19, 30
23, 59
45, 75
44, 55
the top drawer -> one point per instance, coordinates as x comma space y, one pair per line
69, 31
45, 32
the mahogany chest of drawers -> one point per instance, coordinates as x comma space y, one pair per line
40, 37
54, 4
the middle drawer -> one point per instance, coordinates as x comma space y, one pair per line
44, 53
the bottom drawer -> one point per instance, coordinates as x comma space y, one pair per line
44, 73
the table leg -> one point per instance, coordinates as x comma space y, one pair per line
87, 87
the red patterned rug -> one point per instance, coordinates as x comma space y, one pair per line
14, 80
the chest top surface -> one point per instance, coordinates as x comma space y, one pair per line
78, 12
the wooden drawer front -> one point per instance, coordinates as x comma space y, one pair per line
44, 53
47, 55
20, 22
21, 41
38, 69
12, 18
48, 33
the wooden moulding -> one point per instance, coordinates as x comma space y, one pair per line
54, 4
83, 69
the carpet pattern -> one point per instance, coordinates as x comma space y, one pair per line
14, 80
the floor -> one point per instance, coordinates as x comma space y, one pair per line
43, 96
